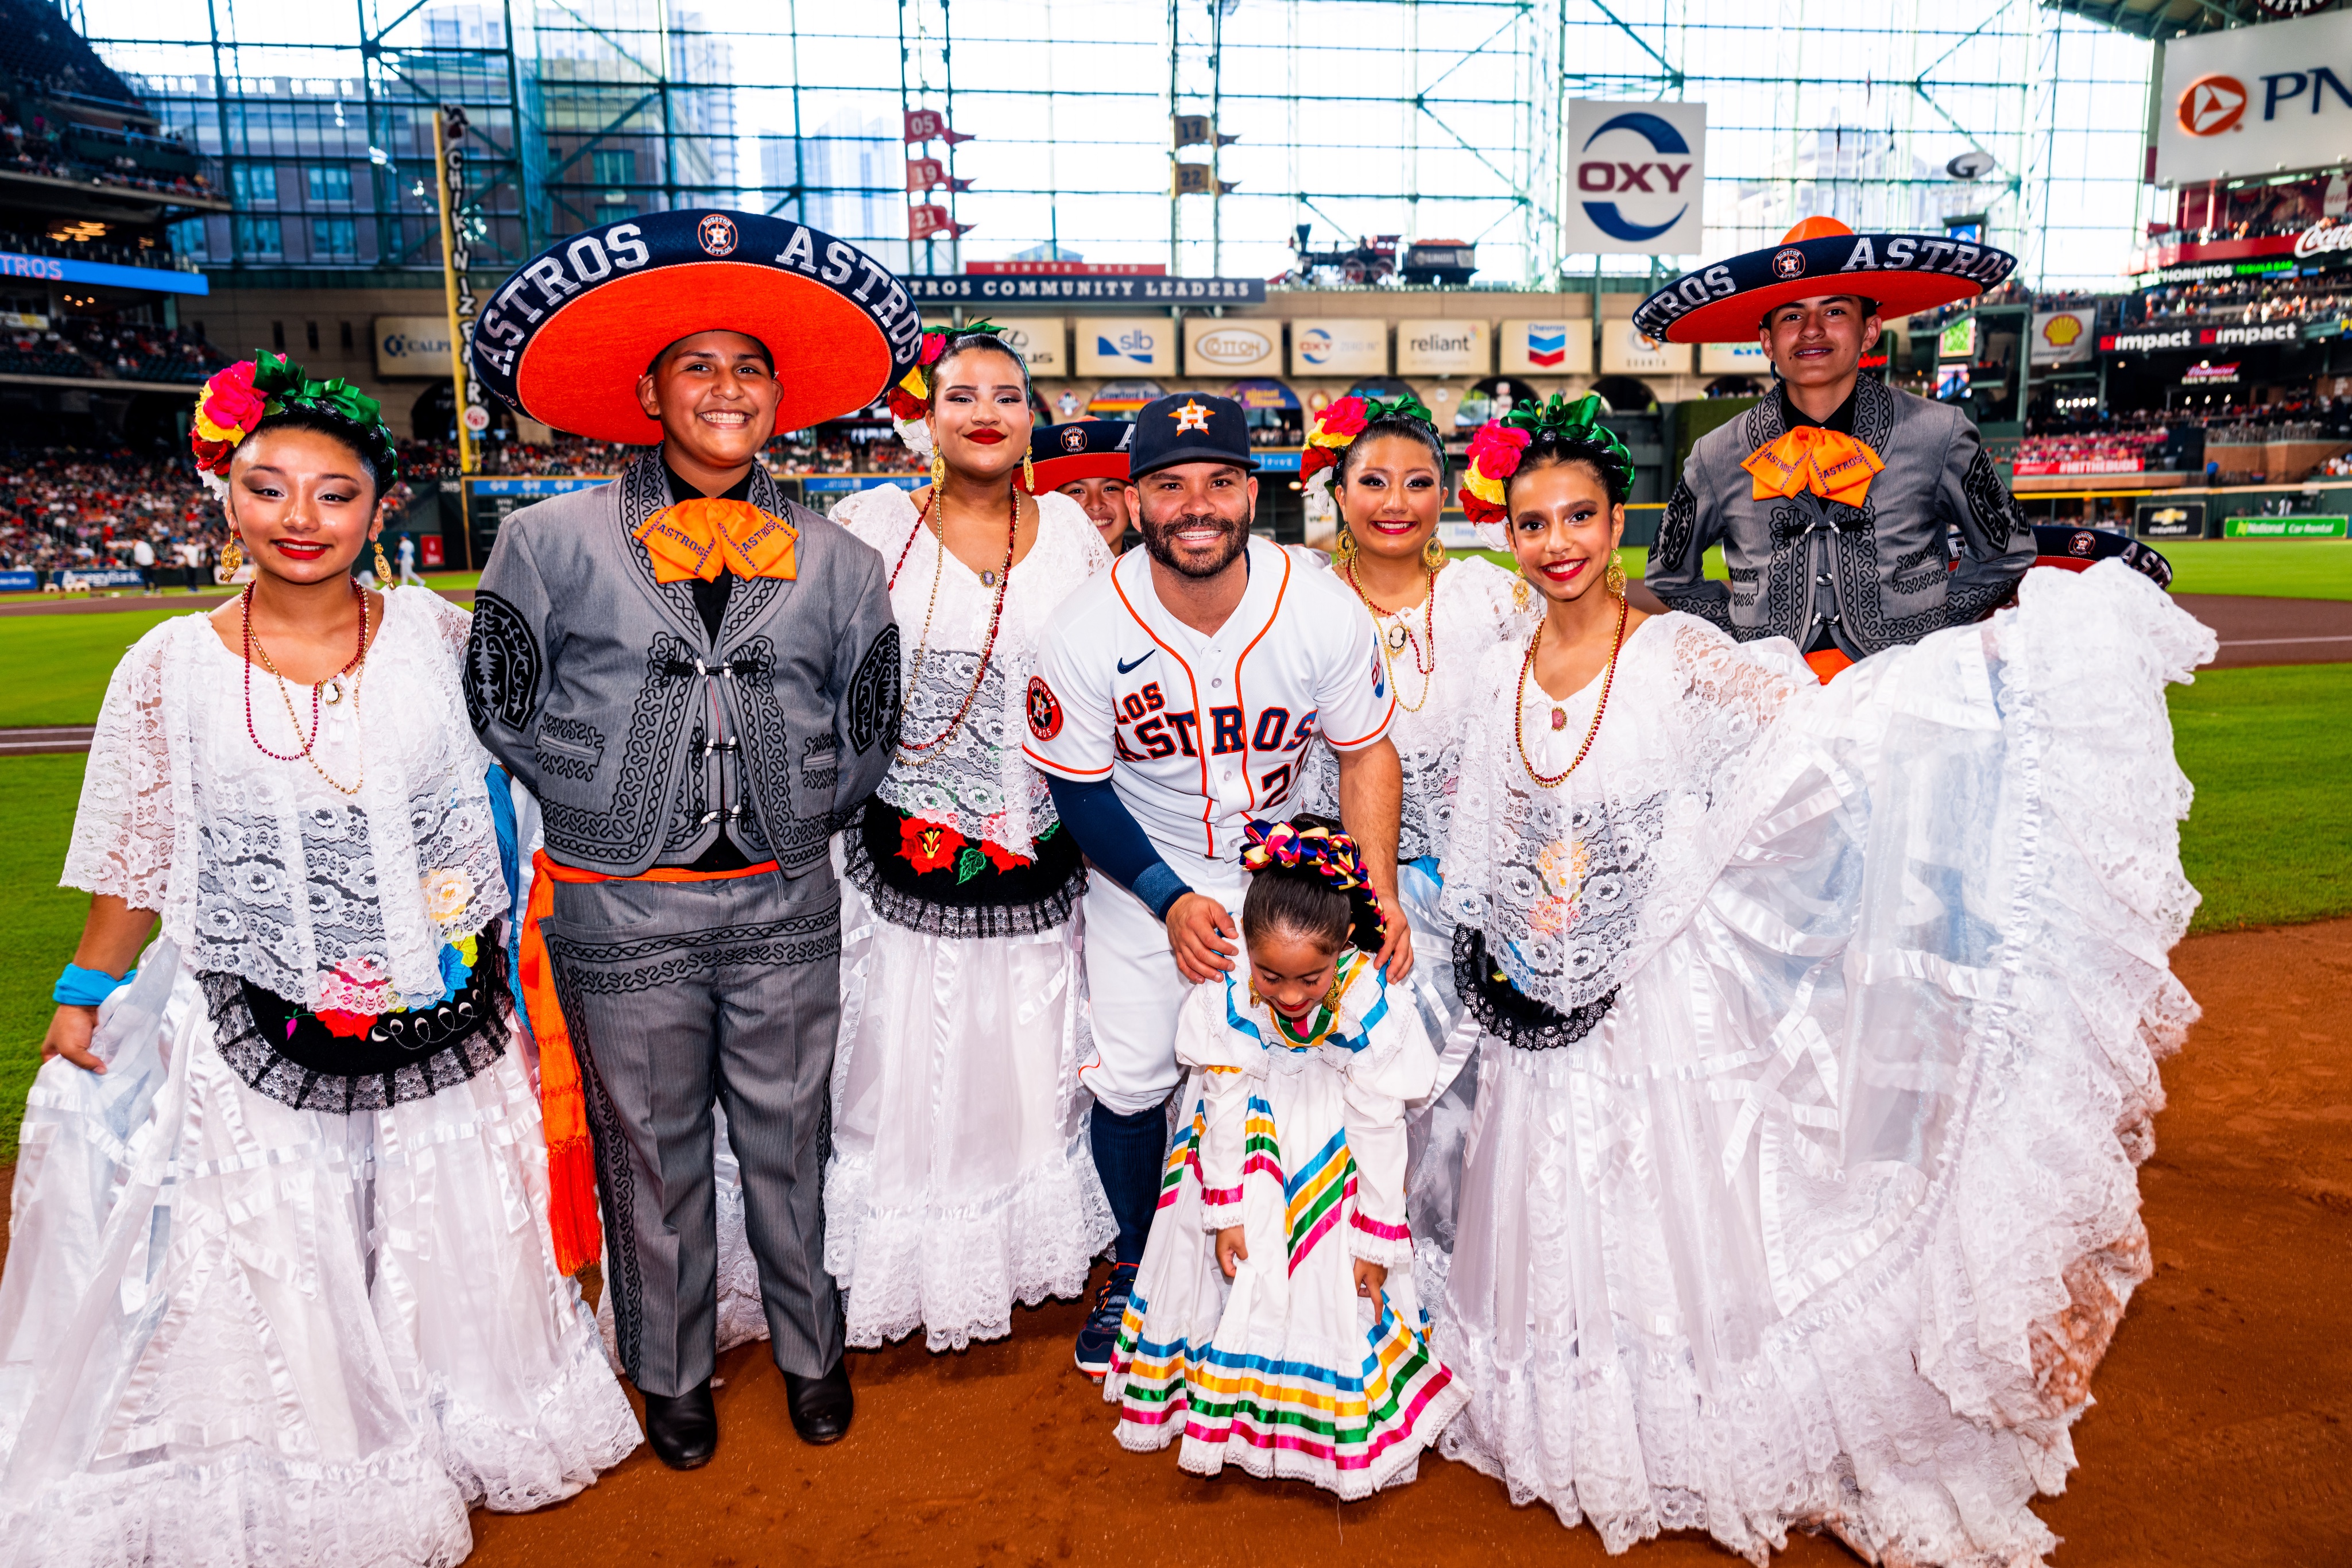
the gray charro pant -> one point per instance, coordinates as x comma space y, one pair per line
676, 993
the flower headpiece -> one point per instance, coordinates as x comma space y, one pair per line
911, 398
1500, 445
1337, 427
236, 400
1330, 854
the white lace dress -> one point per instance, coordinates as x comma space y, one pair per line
1434, 652
962, 1180
1812, 1202
234, 1331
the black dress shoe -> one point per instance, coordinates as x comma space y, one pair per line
683, 1428
821, 1407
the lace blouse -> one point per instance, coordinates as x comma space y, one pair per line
258, 867
1474, 609
978, 782
1573, 886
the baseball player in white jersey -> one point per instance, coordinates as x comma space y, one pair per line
1172, 703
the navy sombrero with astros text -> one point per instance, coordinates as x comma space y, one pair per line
1081, 449
1725, 303
565, 339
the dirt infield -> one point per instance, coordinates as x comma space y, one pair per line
2219, 1437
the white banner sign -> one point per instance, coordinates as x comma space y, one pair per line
1733, 360
1562, 348
2063, 337
1126, 346
1038, 339
1441, 348
1636, 175
1321, 345
2256, 101
411, 346
1626, 351
1238, 348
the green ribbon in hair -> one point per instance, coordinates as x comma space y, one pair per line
285, 385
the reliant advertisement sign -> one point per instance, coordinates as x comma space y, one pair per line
1321, 345
1561, 348
1252, 348
1441, 348
1635, 172
2256, 101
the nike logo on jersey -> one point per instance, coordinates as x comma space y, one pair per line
1130, 666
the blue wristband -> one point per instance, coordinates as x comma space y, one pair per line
80, 988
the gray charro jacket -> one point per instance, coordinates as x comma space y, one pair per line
1878, 574
590, 680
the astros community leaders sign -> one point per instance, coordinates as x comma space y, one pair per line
2255, 101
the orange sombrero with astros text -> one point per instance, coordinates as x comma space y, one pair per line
565, 339
1725, 303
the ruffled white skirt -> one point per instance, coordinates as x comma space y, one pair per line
233, 1333
962, 1179
1830, 1221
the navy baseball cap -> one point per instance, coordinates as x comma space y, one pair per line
1189, 427
1082, 449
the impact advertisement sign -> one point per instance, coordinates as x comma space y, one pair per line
2256, 101
1637, 171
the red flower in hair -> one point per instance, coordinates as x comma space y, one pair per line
904, 405
1495, 450
229, 400
927, 846
934, 345
1317, 458
1344, 417
212, 456
1478, 511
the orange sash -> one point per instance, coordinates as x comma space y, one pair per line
705, 537
1828, 663
1833, 466
563, 1102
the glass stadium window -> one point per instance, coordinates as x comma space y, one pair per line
619, 168
186, 238
253, 185
334, 239
260, 238
328, 182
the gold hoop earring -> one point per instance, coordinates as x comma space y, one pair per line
1521, 594
1028, 474
939, 476
232, 560
1343, 549
1432, 554
1615, 579
382, 567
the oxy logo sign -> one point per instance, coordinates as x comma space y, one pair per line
1638, 174
2211, 105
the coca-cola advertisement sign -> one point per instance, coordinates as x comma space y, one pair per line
2333, 239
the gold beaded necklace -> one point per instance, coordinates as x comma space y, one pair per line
1559, 714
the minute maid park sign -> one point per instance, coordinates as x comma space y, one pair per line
2256, 101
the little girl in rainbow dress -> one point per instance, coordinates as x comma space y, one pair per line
1274, 1321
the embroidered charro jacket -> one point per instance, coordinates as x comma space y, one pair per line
1867, 576
601, 691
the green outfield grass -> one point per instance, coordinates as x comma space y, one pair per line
2266, 569
2269, 841
54, 668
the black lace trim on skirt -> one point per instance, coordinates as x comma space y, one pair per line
406, 1056
1509, 1014
1022, 901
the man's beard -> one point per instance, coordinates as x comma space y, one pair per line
1156, 543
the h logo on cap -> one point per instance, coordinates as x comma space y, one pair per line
1191, 416
717, 233
1074, 439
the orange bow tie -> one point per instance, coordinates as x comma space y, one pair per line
1833, 466
702, 538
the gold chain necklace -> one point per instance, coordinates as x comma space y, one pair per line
920, 752
358, 669
1399, 634
1520, 711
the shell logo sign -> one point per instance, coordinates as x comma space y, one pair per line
2061, 331
2212, 104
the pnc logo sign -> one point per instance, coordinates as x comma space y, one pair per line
1653, 187
2212, 104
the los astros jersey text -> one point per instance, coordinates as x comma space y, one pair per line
1200, 734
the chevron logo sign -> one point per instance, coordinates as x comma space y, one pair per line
1547, 344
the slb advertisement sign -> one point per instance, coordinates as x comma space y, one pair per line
2256, 101
1126, 346
1637, 171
